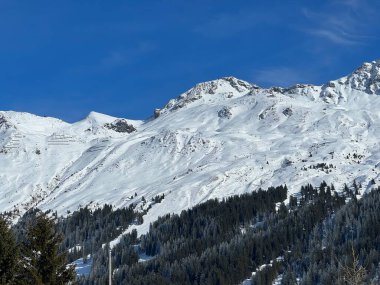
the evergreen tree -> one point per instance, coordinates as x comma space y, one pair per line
43, 264
289, 278
8, 253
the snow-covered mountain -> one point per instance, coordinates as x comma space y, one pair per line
220, 138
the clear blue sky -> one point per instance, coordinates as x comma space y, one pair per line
125, 58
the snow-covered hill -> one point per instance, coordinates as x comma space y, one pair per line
220, 138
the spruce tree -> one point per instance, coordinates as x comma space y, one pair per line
8, 253
289, 278
43, 264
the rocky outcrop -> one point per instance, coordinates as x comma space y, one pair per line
120, 126
225, 113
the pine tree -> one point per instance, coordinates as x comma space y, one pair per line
43, 263
8, 253
289, 278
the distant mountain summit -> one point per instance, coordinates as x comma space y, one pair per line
366, 78
220, 138
226, 86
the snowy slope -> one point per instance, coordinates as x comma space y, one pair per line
220, 138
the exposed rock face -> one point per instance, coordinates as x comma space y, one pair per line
121, 126
4, 124
288, 112
366, 78
238, 84
287, 162
157, 113
2, 120
225, 113
226, 86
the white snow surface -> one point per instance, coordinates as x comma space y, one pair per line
220, 138
82, 268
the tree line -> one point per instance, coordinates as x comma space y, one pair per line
224, 241
319, 236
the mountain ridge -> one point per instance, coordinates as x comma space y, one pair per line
368, 74
219, 138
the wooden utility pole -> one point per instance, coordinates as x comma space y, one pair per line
84, 255
109, 267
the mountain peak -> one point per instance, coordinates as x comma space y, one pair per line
366, 78
226, 86
29, 123
239, 84
94, 122
95, 116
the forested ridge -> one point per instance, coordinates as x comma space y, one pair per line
319, 236
223, 242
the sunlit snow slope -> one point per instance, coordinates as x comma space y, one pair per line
220, 138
